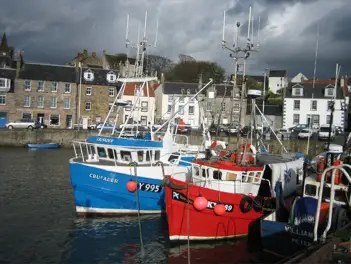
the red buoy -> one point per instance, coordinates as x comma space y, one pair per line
131, 186
219, 209
200, 203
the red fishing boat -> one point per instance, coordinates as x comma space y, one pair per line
223, 197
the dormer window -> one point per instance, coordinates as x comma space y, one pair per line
329, 91
88, 75
297, 91
111, 77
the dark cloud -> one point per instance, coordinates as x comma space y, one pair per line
54, 31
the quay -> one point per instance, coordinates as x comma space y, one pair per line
20, 138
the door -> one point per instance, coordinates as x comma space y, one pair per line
3, 119
40, 118
85, 122
69, 121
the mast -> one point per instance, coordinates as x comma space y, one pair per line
237, 53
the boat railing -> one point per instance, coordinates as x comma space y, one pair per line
88, 153
334, 170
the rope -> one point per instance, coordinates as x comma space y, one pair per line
134, 164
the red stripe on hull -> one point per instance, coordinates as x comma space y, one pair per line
206, 225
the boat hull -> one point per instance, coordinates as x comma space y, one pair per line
102, 190
44, 146
185, 222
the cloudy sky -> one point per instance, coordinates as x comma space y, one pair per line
54, 31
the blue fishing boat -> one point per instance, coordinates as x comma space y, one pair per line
321, 209
44, 146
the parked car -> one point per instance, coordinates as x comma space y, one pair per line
298, 128
339, 130
23, 123
323, 132
245, 131
305, 133
233, 130
284, 133
107, 126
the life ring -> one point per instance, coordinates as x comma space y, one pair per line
246, 200
243, 156
258, 203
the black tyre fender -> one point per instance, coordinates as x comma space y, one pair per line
246, 204
339, 218
258, 203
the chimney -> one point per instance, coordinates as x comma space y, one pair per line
19, 63
85, 53
93, 54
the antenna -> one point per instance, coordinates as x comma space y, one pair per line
140, 46
258, 31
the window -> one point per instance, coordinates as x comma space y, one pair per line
143, 120
111, 91
54, 120
27, 101
40, 101
128, 108
88, 106
5, 83
157, 155
217, 175
126, 155
88, 91
27, 116
140, 154
328, 119
181, 110
329, 92
330, 105
110, 106
296, 104
54, 87
181, 99
2, 99
67, 88
236, 107
53, 103
296, 119
191, 110
209, 106
67, 103
169, 108
170, 98
88, 75
40, 86
27, 85
297, 91
223, 106
111, 77
314, 105
144, 106
101, 152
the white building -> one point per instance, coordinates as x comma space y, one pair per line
277, 80
144, 108
170, 97
299, 78
301, 108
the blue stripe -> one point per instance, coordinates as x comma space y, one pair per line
125, 142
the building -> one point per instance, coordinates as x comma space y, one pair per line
299, 78
278, 80
120, 62
46, 93
97, 90
273, 114
7, 80
170, 97
86, 60
304, 104
142, 99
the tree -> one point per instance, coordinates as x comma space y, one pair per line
155, 63
189, 71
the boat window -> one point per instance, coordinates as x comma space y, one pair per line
217, 175
173, 157
196, 171
101, 152
110, 153
258, 177
126, 156
310, 190
204, 174
231, 176
92, 150
157, 155
251, 177
116, 157
148, 152
140, 155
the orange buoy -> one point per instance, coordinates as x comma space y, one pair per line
338, 173
219, 209
131, 186
200, 203
320, 168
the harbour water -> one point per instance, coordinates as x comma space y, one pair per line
38, 223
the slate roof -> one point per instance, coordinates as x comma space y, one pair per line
9, 73
99, 77
176, 88
48, 72
318, 91
269, 110
277, 73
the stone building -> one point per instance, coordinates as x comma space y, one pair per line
120, 62
86, 60
46, 93
97, 89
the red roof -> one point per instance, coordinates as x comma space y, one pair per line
130, 88
326, 82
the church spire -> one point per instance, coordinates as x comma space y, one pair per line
3, 45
